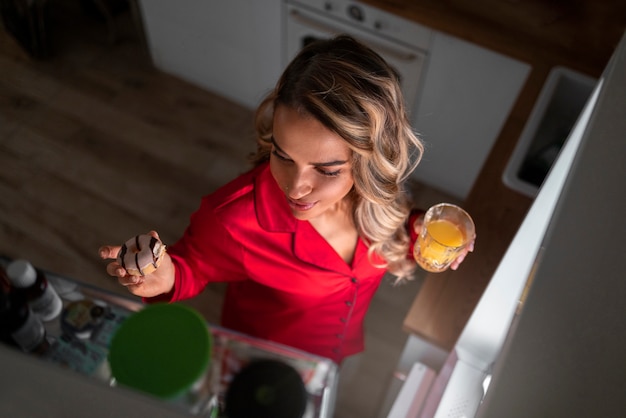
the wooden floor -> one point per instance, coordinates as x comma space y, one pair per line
96, 146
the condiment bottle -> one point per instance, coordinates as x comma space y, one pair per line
18, 325
40, 294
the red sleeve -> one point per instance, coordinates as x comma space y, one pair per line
413, 216
206, 253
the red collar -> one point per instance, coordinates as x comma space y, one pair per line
274, 215
271, 205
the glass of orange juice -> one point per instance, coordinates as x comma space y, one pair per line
446, 231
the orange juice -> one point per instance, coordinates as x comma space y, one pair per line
446, 233
438, 245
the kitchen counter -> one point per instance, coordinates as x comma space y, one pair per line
580, 36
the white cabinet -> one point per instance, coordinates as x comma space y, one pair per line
467, 95
230, 47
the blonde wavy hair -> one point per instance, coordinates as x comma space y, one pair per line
352, 91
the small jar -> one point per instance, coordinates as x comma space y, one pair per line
40, 294
80, 318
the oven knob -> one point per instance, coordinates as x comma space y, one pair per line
356, 13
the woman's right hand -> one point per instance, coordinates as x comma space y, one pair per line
159, 282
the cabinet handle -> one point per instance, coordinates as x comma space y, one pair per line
382, 49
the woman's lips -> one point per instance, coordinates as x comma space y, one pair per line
300, 206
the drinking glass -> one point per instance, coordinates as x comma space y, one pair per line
446, 232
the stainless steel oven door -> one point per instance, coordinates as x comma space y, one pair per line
303, 26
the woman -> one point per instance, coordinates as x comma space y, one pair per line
305, 237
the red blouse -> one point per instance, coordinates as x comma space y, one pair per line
287, 284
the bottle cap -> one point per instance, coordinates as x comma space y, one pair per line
21, 273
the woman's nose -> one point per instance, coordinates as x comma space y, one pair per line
298, 187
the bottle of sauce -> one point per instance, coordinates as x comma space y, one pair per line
43, 300
19, 327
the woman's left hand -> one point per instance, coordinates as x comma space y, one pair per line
469, 248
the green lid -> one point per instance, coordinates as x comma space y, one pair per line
162, 350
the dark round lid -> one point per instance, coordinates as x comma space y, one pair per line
162, 350
266, 389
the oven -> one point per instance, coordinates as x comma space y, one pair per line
402, 43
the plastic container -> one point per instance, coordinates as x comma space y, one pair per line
163, 350
40, 294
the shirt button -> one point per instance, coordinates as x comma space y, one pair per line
344, 320
348, 303
354, 280
336, 350
340, 336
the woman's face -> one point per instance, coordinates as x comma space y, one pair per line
310, 163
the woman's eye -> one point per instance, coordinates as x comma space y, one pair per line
319, 169
329, 173
280, 157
